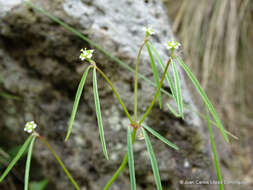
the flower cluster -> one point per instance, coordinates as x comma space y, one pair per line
30, 126
149, 31
86, 54
171, 45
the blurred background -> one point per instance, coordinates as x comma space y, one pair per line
216, 38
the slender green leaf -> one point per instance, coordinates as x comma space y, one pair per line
212, 122
156, 77
38, 185
204, 98
28, 163
157, 135
77, 98
153, 160
160, 61
122, 165
173, 111
131, 159
98, 112
215, 155
9, 96
178, 90
16, 158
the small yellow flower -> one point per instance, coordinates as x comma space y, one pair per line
149, 30
172, 45
86, 54
30, 126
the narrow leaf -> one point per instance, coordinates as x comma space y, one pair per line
28, 163
76, 102
216, 159
98, 112
157, 135
204, 98
16, 158
160, 61
153, 160
131, 159
156, 77
179, 98
38, 185
173, 111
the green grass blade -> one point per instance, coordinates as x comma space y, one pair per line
16, 158
157, 135
204, 98
131, 159
28, 163
156, 77
160, 61
173, 111
9, 96
38, 185
212, 122
76, 102
178, 89
98, 112
216, 159
153, 160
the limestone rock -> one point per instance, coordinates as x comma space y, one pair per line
39, 63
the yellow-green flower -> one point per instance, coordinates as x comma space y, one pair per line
149, 30
30, 126
172, 45
86, 54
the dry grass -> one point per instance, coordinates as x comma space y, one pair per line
217, 38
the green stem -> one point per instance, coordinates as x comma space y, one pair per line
157, 93
136, 80
60, 162
28, 163
116, 93
122, 165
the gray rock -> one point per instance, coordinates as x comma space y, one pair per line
39, 63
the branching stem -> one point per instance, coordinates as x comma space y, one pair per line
116, 93
157, 93
136, 80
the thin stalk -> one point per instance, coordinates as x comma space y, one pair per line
157, 93
60, 162
122, 165
215, 155
136, 80
116, 93
28, 163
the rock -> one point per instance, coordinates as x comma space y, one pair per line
39, 64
